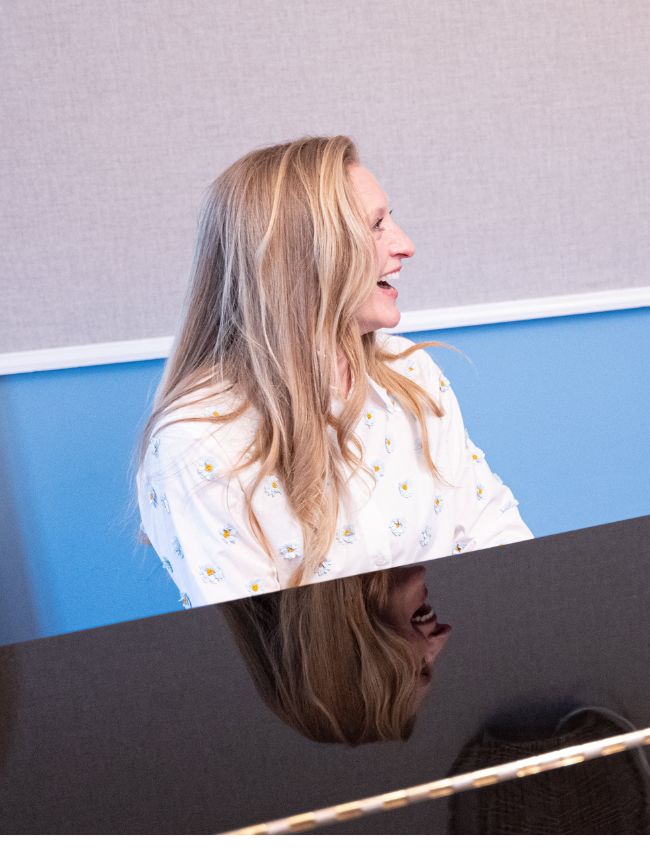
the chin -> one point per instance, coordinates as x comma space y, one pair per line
383, 319
392, 320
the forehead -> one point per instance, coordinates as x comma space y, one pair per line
368, 189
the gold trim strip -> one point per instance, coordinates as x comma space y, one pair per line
394, 800
567, 762
300, 823
531, 770
485, 780
613, 748
445, 791
259, 829
452, 785
347, 811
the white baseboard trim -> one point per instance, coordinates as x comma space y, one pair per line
155, 348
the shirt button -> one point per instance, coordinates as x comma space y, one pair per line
380, 561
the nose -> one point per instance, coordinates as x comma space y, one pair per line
401, 245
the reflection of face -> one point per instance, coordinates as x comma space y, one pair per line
392, 246
410, 615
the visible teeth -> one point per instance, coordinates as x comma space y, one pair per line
393, 276
424, 618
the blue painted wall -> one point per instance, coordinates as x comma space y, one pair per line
560, 406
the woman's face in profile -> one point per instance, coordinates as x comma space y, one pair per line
412, 617
392, 246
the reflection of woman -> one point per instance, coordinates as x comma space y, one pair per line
290, 441
342, 661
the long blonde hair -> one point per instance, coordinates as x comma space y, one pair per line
284, 260
326, 661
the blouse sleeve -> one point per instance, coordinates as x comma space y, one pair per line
196, 520
486, 512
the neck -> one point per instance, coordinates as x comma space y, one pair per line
344, 376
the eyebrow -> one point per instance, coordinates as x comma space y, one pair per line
379, 212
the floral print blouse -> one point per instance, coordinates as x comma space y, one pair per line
195, 517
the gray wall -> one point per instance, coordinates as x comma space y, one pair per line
511, 138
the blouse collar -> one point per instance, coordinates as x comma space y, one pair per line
380, 392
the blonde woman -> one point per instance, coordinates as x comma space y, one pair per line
345, 661
290, 440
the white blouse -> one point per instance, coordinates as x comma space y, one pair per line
195, 519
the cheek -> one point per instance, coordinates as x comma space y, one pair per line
398, 617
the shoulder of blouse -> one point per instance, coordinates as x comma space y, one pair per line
196, 424
205, 407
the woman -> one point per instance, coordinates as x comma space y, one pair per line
289, 440
345, 661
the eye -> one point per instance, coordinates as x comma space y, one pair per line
378, 223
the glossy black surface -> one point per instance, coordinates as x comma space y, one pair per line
157, 726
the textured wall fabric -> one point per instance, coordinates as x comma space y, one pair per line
511, 138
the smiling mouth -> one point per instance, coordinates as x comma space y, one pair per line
384, 284
425, 614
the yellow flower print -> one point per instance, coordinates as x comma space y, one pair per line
212, 412
346, 534
388, 442
438, 503
207, 469
369, 418
444, 384
228, 534
153, 498
272, 486
411, 368
480, 491
475, 454
397, 526
377, 469
211, 574
255, 586
405, 489
291, 551
185, 601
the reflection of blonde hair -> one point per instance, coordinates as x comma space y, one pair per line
325, 660
284, 260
